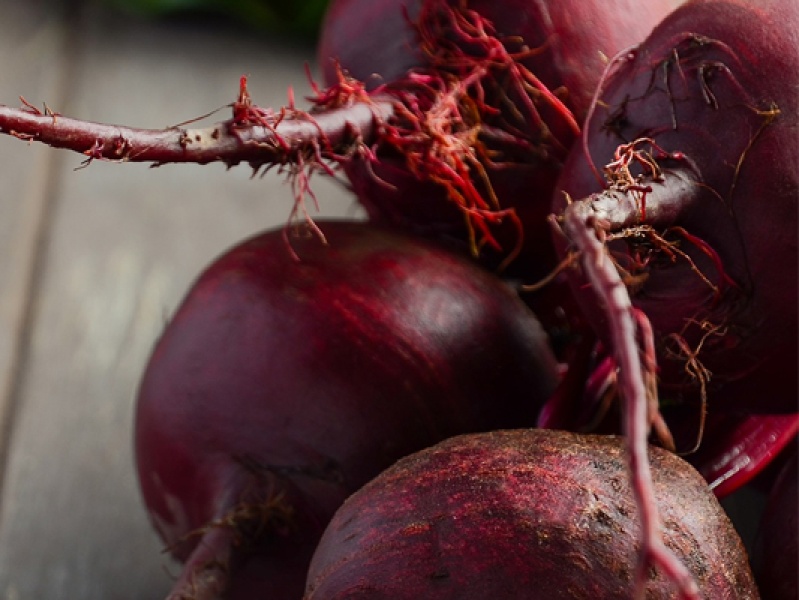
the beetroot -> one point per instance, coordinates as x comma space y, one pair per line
688, 233
521, 514
698, 127
292, 374
775, 556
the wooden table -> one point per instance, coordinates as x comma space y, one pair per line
92, 264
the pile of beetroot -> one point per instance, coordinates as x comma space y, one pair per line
567, 328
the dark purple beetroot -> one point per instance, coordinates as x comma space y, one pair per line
282, 385
522, 514
681, 205
698, 128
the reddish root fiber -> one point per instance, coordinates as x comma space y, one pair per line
476, 107
440, 21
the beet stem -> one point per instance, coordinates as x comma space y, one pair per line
204, 575
332, 132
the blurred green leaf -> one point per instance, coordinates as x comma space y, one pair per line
301, 17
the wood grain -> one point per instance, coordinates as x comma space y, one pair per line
29, 34
93, 262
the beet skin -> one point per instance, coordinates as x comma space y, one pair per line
522, 514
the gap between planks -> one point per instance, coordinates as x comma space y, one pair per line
39, 203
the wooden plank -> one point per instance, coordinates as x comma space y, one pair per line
30, 33
126, 241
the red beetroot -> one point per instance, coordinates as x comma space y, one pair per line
704, 114
283, 383
521, 514
691, 247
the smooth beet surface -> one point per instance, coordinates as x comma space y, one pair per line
294, 371
521, 514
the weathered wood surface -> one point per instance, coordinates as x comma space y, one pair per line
93, 262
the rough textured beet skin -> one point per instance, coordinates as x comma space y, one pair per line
521, 514
281, 386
